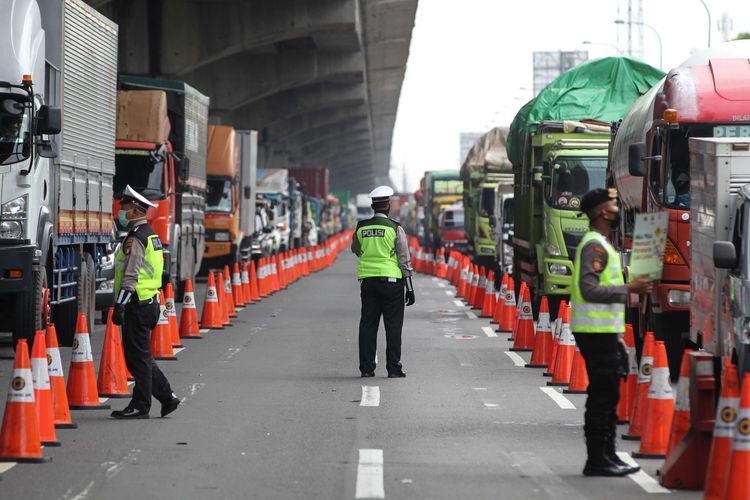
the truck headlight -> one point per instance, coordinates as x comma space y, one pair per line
678, 298
558, 269
11, 230
14, 209
553, 251
221, 236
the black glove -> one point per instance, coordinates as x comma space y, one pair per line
410, 298
118, 315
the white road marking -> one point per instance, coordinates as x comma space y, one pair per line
231, 353
648, 483
6, 466
479, 388
131, 382
370, 395
466, 364
458, 303
435, 278
441, 285
239, 309
558, 398
204, 330
517, 360
178, 350
449, 293
103, 400
370, 474
489, 331
491, 406
471, 315
533, 468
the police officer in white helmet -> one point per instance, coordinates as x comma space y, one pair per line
384, 272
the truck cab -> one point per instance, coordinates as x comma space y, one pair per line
502, 222
452, 228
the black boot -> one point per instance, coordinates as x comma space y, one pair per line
598, 464
610, 451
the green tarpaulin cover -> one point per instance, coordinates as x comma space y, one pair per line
600, 89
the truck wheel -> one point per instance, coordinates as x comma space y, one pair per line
31, 308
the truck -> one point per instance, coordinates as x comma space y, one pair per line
485, 168
273, 185
503, 223
230, 202
720, 248
442, 188
58, 66
162, 144
364, 209
558, 145
296, 213
452, 234
707, 96
314, 182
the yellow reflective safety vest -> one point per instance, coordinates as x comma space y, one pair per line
377, 240
149, 276
586, 317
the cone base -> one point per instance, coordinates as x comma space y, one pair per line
500, 330
193, 337
213, 327
520, 349
529, 365
547, 374
90, 407
163, 358
638, 454
621, 422
26, 460
569, 391
485, 316
630, 437
66, 426
131, 379
233, 315
116, 396
558, 384
494, 322
177, 346
51, 443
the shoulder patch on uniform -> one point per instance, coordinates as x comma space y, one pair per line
156, 242
597, 264
127, 246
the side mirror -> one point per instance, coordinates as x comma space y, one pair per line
725, 255
47, 149
49, 121
636, 152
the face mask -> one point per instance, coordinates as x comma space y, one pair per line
122, 218
616, 221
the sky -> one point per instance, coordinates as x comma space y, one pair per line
470, 62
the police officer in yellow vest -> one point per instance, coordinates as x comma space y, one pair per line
384, 271
598, 323
139, 263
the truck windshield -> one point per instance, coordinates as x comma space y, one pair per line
15, 136
140, 169
487, 202
219, 197
574, 177
448, 186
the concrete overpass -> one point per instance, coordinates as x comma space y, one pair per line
320, 79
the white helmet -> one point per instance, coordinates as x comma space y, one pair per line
130, 194
381, 193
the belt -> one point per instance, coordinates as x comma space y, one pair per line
383, 278
146, 302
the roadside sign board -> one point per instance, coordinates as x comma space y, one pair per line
649, 244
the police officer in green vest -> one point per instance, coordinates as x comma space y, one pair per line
384, 271
139, 263
598, 323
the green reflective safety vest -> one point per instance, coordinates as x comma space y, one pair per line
586, 317
149, 276
377, 240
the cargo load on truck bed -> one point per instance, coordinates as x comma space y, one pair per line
488, 154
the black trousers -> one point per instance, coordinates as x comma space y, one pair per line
599, 351
140, 319
386, 299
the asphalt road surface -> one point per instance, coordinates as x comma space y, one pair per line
274, 408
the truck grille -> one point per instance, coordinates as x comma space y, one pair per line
571, 242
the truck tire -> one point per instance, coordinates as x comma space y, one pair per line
29, 308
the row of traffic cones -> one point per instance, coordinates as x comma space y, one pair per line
39, 402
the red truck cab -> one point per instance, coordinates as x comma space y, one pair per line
452, 228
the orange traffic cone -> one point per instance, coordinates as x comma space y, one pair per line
627, 386
280, 271
497, 314
254, 282
724, 429
517, 310
474, 276
171, 308
189, 327
82, 391
659, 409
565, 353
113, 378
556, 331
60, 406
43, 391
641, 390
481, 290
161, 337
221, 293
228, 292
211, 316
681, 419
462, 275
540, 356
238, 294
738, 481
524, 340
19, 435
508, 318
245, 280
579, 378
488, 306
